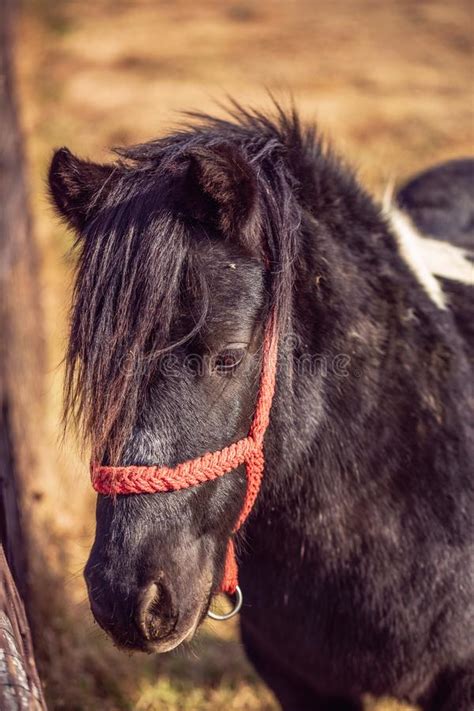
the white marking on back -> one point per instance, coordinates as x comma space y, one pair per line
429, 258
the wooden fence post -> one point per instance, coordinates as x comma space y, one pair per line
20, 348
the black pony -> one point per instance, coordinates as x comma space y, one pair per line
356, 563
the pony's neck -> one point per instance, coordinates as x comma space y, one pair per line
354, 304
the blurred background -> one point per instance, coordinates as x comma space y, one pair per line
389, 82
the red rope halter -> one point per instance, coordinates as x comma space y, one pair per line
150, 480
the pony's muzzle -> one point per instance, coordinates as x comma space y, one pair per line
150, 621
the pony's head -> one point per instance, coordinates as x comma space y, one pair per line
185, 245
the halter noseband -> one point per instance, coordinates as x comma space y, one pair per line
248, 451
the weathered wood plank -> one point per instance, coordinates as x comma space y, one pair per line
20, 688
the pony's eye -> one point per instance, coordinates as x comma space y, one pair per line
228, 360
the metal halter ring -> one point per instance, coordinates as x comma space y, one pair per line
239, 598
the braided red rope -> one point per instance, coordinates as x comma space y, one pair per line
248, 451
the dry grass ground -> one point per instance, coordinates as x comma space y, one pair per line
390, 81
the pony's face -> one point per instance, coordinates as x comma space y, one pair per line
163, 366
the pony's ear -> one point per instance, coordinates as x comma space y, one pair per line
75, 185
220, 188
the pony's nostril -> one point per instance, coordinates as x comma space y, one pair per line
155, 614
